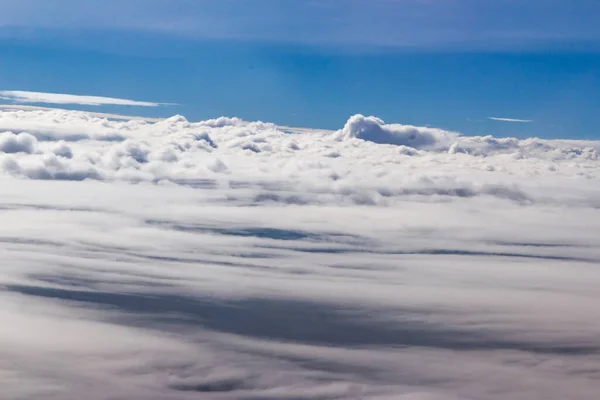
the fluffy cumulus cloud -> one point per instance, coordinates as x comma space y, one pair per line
227, 259
375, 130
367, 161
21, 143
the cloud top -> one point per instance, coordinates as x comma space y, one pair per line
20, 96
366, 162
376, 130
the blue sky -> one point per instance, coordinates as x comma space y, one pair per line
445, 63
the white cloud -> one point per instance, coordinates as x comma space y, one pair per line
284, 272
20, 96
358, 164
10, 107
509, 119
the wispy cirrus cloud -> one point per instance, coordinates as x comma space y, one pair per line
20, 96
510, 119
460, 23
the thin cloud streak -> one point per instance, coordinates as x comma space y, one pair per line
21, 96
510, 119
10, 107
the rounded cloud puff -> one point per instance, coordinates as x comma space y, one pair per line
375, 130
21, 143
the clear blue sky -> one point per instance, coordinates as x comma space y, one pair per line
445, 63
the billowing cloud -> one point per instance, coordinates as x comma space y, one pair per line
227, 259
375, 130
20, 96
22, 143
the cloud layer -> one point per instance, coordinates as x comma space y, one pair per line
367, 161
227, 259
20, 96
